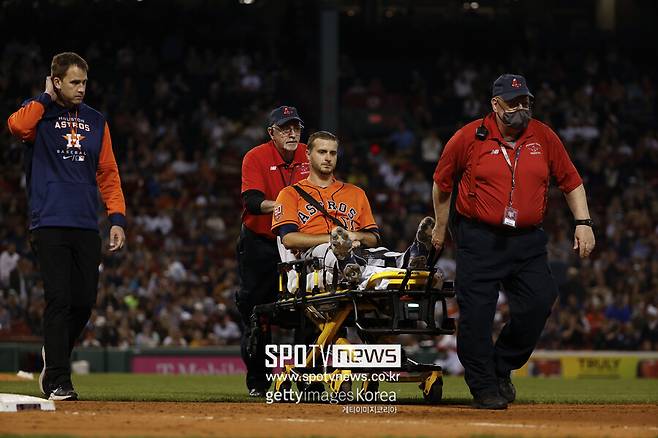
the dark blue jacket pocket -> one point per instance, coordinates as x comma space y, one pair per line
74, 204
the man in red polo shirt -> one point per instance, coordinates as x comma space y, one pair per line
497, 169
266, 169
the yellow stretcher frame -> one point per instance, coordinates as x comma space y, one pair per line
332, 310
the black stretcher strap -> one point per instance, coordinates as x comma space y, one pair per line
314, 202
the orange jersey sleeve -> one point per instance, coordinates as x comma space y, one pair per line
107, 177
23, 123
286, 210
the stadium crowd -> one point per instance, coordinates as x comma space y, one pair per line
182, 117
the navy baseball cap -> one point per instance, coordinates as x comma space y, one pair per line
509, 86
284, 114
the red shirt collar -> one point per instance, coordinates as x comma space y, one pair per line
298, 158
494, 132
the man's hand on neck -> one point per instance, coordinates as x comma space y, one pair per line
50, 89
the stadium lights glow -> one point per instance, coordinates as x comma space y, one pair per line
247, 2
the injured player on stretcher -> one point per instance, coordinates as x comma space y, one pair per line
332, 220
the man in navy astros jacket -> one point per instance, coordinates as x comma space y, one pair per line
68, 159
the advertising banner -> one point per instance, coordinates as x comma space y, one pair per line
600, 366
188, 365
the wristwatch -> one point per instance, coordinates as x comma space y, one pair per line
588, 222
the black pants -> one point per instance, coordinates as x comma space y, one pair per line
257, 264
68, 259
486, 258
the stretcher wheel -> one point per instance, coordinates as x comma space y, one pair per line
435, 392
345, 388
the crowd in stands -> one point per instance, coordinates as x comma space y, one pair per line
179, 136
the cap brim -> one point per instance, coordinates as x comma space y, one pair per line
514, 94
287, 119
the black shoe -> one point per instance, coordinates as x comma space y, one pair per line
420, 249
260, 393
424, 232
417, 262
63, 392
506, 389
490, 401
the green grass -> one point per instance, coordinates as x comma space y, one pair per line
146, 387
551, 390
154, 387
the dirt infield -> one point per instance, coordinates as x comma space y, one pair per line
288, 420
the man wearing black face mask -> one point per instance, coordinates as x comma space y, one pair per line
514, 115
497, 172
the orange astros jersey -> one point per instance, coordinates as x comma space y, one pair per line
346, 202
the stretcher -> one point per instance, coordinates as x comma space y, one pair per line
391, 302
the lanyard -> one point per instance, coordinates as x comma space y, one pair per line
293, 166
512, 169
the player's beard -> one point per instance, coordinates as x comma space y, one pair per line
323, 170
